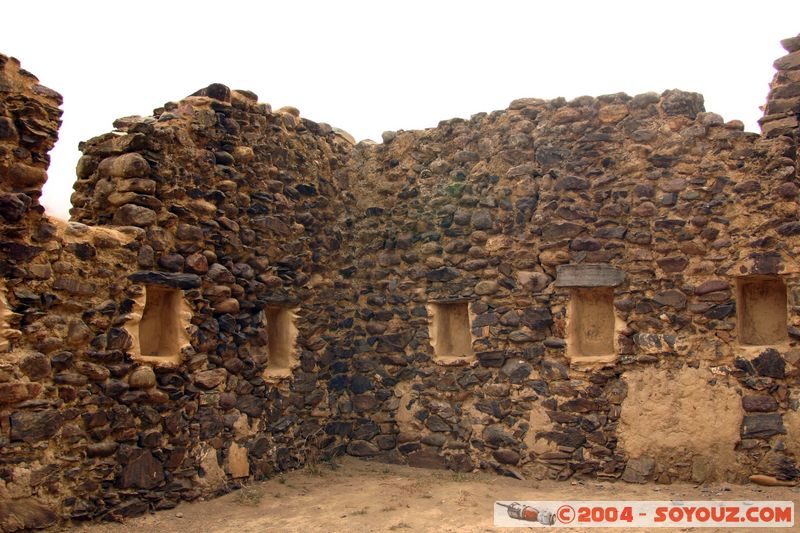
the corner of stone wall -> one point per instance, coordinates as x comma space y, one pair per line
782, 110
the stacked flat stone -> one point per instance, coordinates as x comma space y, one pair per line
783, 104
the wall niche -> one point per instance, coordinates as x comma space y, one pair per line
591, 323
281, 340
761, 310
450, 330
591, 320
160, 334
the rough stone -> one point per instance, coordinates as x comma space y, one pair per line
639, 470
141, 472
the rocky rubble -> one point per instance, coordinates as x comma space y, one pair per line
631, 226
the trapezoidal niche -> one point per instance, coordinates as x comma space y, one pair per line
160, 334
761, 312
449, 330
282, 341
591, 324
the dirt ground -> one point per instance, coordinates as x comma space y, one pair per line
354, 496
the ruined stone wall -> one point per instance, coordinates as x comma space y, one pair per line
602, 287
136, 370
665, 205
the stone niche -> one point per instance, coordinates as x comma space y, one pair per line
761, 310
282, 341
590, 324
449, 330
159, 325
591, 320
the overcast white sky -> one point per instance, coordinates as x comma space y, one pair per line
372, 66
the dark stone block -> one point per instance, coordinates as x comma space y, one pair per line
770, 364
142, 471
338, 382
32, 426
718, 312
580, 405
19, 252
536, 317
671, 298
442, 274
759, 404
496, 436
506, 457
516, 371
673, 264
360, 384
14, 206
437, 423
564, 230
571, 183
250, 405
460, 462
712, 285
427, 459
362, 448
485, 319
101, 449
177, 281
569, 437
494, 358
395, 342
762, 426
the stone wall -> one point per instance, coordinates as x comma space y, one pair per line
667, 208
210, 215
241, 291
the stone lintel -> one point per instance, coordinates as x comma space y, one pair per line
591, 275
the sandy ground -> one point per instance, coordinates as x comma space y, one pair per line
350, 495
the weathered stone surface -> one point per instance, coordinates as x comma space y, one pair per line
759, 404
36, 366
496, 435
426, 459
16, 391
487, 287
33, 426
589, 276
129, 166
362, 448
25, 514
762, 426
101, 449
639, 470
671, 298
506, 457
210, 379
672, 264
142, 378
141, 472
712, 285
134, 215
178, 281
770, 363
